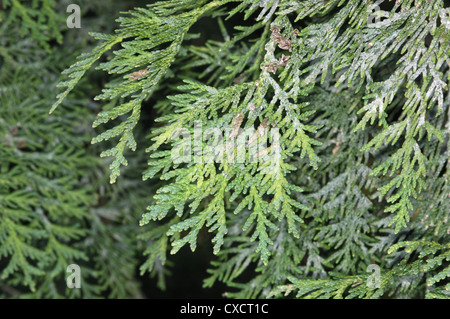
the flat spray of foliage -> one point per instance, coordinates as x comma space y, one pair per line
361, 176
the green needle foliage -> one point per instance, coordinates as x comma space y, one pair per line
352, 100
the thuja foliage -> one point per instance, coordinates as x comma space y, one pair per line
355, 179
